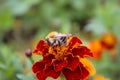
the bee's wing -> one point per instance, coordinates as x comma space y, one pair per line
64, 35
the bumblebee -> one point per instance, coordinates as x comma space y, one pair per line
55, 38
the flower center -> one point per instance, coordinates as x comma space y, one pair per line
58, 51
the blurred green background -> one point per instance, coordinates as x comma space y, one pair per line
24, 22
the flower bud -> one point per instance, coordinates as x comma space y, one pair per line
28, 52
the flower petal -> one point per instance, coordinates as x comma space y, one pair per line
81, 72
72, 75
73, 62
48, 72
81, 51
87, 51
38, 66
48, 59
51, 72
74, 40
88, 65
96, 48
59, 64
41, 75
41, 48
84, 72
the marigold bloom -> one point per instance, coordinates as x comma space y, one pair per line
68, 60
100, 77
96, 48
109, 41
106, 42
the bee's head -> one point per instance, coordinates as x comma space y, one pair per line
52, 34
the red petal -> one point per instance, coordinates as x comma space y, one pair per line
40, 44
58, 65
48, 72
38, 66
41, 75
41, 47
48, 59
80, 73
72, 75
81, 51
84, 72
74, 40
87, 51
51, 72
73, 62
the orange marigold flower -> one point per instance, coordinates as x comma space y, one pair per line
106, 42
68, 60
96, 48
100, 77
109, 40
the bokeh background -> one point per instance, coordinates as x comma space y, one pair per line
24, 22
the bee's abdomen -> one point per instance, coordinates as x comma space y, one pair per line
63, 40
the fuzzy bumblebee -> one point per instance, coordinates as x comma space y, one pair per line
55, 38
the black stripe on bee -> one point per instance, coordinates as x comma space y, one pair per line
54, 42
48, 42
63, 40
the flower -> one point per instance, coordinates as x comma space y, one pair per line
106, 42
109, 41
100, 77
67, 60
96, 48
